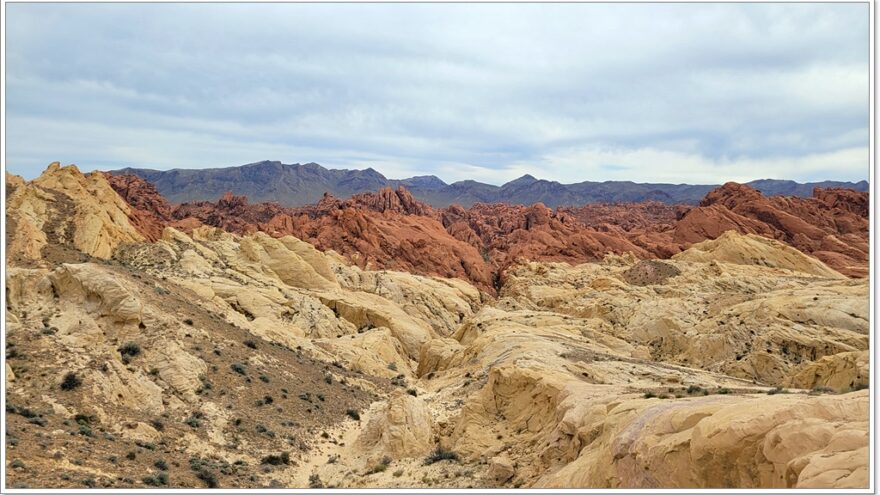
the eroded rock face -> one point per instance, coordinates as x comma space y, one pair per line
717, 442
403, 428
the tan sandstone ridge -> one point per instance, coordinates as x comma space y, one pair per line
259, 361
68, 208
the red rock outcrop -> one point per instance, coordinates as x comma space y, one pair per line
150, 211
391, 229
832, 225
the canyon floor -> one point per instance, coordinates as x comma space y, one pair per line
718, 346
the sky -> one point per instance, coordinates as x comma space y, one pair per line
680, 93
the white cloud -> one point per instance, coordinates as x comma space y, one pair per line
713, 92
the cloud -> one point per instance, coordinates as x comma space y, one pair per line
572, 92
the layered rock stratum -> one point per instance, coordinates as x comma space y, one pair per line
196, 356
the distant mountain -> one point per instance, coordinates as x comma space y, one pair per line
298, 185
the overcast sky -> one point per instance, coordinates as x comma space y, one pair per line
691, 93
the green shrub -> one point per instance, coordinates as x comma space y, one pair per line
157, 479
131, 349
276, 460
208, 477
194, 420
70, 381
85, 430
381, 466
440, 454
695, 389
315, 481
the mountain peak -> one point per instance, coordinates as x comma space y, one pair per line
522, 181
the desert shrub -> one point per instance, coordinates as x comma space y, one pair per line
412, 392
398, 473
822, 390
37, 420
276, 460
694, 390
650, 395
194, 420
70, 381
264, 378
239, 368
188, 321
161, 464
208, 477
157, 479
131, 456
250, 343
131, 349
17, 463
315, 481
351, 413
777, 390
381, 466
723, 391
440, 454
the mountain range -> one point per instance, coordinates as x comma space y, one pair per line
303, 184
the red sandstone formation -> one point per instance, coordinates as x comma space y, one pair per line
832, 225
150, 212
390, 229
